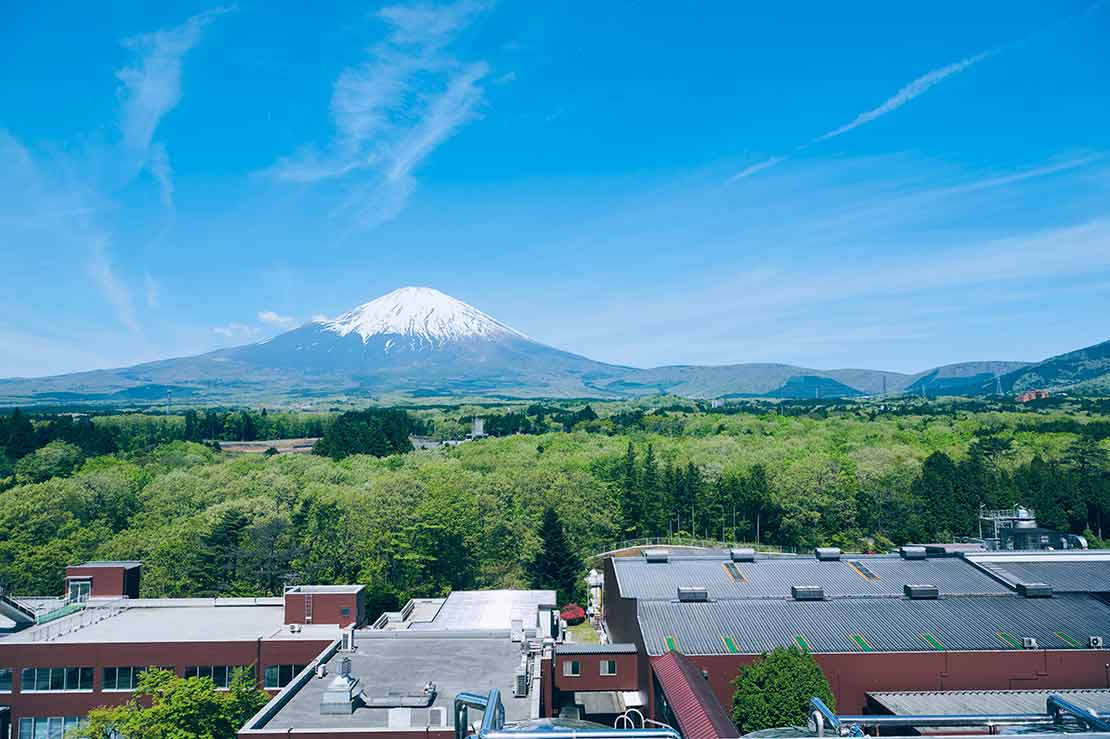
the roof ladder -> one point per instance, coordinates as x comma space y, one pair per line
308, 608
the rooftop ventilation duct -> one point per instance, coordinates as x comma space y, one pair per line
693, 594
422, 698
807, 592
1034, 589
913, 552
921, 592
827, 554
741, 555
656, 555
342, 692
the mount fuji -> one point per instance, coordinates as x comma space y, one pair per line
415, 341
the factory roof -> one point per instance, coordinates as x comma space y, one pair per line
969, 623
696, 709
401, 662
486, 609
1066, 572
773, 576
172, 620
948, 702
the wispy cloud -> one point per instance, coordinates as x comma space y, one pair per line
391, 111
275, 319
150, 88
235, 330
914, 89
153, 291
111, 287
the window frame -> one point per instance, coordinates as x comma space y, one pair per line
606, 663
9, 680
56, 679
572, 668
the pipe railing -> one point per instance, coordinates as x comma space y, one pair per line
493, 724
824, 721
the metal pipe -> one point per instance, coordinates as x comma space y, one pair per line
493, 724
1058, 705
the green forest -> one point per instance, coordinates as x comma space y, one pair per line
368, 508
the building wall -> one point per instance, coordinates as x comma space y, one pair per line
160, 654
623, 627
327, 608
851, 676
109, 582
627, 677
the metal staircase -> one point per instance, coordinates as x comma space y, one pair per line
16, 611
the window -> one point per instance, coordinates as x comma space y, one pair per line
344, 611
54, 679
572, 668
78, 591
121, 678
5, 680
48, 727
608, 667
220, 674
278, 676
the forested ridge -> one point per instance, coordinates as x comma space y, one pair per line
420, 523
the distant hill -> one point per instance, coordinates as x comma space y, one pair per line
417, 342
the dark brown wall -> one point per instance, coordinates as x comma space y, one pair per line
851, 676
326, 608
621, 623
108, 582
160, 654
627, 677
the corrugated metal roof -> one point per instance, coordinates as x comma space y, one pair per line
948, 702
771, 577
595, 649
696, 709
1063, 576
968, 623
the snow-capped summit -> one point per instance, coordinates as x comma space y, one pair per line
422, 314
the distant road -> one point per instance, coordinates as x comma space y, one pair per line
283, 446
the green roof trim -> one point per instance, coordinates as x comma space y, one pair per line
861, 642
730, 645
1067, 639
801, 642
672, 643
933, 641
1008, 639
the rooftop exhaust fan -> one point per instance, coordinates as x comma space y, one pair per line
1095, 642
827, 554
693, 595
807, 592
913, 552
1034, 589
918, 591
741, 555
656, 555
1028, 642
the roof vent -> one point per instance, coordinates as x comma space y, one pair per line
340, 695
913, 552
807, 592
1094, 642
656, 555
1028, 642
1034, 589
741, 555
921, 592
693, 595
827, 554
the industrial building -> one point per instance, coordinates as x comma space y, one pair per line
899, 622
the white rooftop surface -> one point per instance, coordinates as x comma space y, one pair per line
487, 610
175, 620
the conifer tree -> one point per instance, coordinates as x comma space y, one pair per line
556, 567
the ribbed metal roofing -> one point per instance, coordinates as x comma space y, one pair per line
772, 577
696, 709
969, 623
595, 649
1063, 576
962, 702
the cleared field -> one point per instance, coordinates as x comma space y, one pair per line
283, 446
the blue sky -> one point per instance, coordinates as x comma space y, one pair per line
884, 185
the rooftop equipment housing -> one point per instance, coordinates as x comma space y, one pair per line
656, 555
918, 591
914, 552
695, 594
1034, 589
827, 554
741, 555
807, 592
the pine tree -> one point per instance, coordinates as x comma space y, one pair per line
632, 512
555, 566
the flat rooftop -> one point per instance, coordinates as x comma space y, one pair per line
173, 620
963, 702
314, 589
402, 662
484, 610
1066, 571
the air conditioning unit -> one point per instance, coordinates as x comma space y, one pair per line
1028, 642
520, 684
1095, 642
347, 641
695, 594
321, 670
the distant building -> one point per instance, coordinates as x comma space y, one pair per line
1029, 395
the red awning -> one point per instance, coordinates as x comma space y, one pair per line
696, 709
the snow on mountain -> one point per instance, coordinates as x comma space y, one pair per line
423, 314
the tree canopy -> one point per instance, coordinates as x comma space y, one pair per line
774, 690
